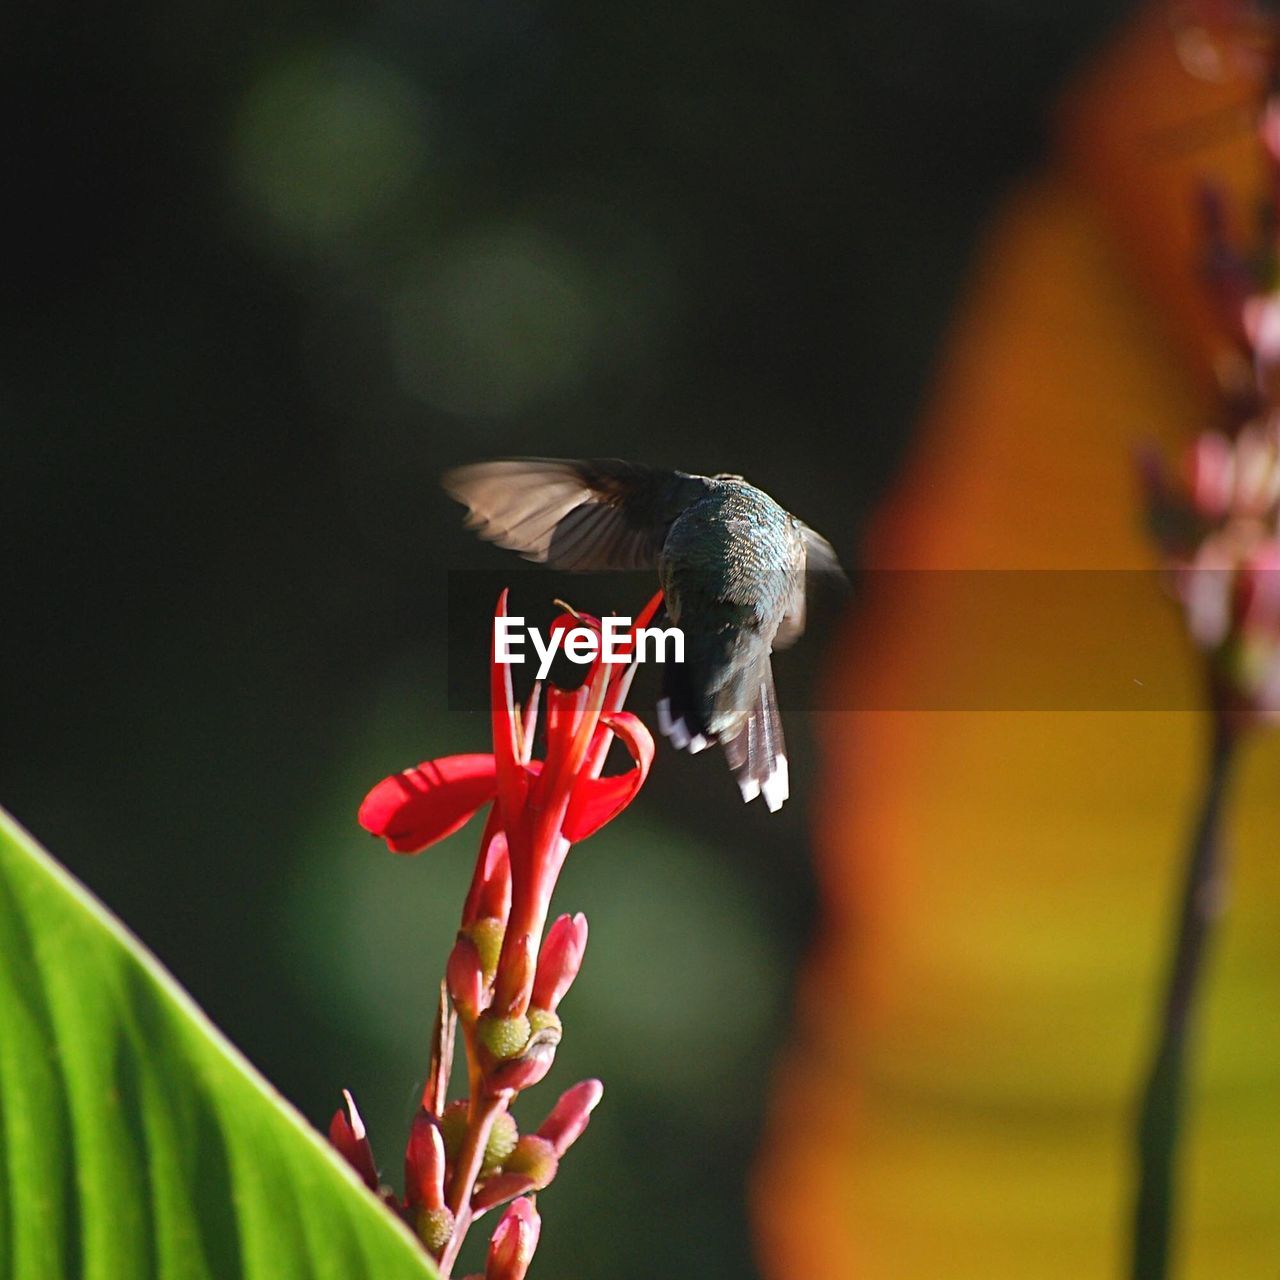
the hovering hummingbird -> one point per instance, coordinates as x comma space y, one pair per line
731, 563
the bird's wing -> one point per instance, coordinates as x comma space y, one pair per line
819, 558
588, 515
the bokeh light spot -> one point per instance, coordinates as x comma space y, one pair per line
492, 325
324, 142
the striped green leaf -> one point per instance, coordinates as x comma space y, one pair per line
135, 1141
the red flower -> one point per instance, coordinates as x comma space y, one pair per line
498, 964
540, 807
416, 808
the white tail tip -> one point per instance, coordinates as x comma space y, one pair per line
777, 786
676, 730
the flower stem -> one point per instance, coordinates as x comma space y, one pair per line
484, 1112
1160, 1115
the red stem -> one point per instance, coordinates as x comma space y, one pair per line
484, 1111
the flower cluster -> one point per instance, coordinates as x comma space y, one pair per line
507, 972
1218, 524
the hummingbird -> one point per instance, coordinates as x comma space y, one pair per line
731, 562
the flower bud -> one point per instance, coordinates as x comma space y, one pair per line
543, 1020
560, 960
522, 1072
464, 975
1261, 315
1256, 606
499, 1189
487, 935
424, 1163
490, 894
569, 1117
434, 1227
453, 1127
504, 1037
513, 1244
1211, 474
1204, 587
503, 1138
1255, 474
514, 978
503, 1135
348, 1135
1269, 129
534, 1158
535, 1061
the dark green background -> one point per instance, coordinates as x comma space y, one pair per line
275, 266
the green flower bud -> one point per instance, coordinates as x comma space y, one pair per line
545, 1020
453, 1127
487, 936
434, 1227
504, 1037
534, 1158
502, 1136
502, 1142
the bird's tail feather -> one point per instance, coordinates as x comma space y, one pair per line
757, 753
679, 717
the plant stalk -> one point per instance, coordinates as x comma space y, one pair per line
1160, 1114
484, 1112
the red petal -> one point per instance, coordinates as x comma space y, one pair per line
424, 1162
347, 1133
413, 809
510, 778
529, 722
646, 614
621, 675
567, 622
564, 711
512, 1247
490, 892
569, 1117
560, 960
596, 801
642, 619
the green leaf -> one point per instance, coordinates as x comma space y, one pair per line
135, 1141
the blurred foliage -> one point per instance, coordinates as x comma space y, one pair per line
1001, 886
271, 269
